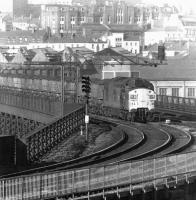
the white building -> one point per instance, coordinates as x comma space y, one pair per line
177, 78
5, 22
54, 2
189, 24
166, 29
130, 43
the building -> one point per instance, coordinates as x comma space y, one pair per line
5, 22
129, 37
177, 78
72, 41
20, 8
189, 24
53, 2
14, 40
173, 49
26, 23
63, 18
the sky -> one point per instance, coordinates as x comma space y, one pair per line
6, 5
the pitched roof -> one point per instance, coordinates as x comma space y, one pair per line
95, 27
125, 28
21, 37
175, 70
46, 55
76, 38
169, 45
19, 58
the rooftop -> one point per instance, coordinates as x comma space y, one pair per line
176, 70
172, 45
21, 37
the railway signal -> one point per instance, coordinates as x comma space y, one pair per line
86, 88
86, 84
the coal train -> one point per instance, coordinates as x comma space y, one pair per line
126, 98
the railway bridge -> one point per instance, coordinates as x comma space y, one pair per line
41, 121
120, 180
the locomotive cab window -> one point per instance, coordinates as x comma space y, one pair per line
133, 96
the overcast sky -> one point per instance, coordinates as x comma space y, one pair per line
6, 5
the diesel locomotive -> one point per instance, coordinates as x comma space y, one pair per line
126, 98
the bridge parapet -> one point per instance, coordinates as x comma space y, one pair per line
45, 138
176, 104
157, 172
35, 101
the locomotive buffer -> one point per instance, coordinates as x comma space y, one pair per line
86, 89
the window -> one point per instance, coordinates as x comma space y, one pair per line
191, 92
115, 95
108, 19
135, 74
175, 92
61, 26
163, 91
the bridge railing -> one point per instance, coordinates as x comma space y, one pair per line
176, 103
31, 101
45, 138
136, 174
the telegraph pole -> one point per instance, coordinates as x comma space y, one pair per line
86, 89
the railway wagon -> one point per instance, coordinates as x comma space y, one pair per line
123, 97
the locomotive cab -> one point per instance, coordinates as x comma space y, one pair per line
141, 102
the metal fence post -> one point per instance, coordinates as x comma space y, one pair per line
130, 173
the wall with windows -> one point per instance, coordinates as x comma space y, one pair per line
116, 70
176, 88
132, 46
116, 39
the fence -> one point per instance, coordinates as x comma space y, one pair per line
176, 104
31, 101
137, 174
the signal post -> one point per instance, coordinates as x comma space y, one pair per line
86, 89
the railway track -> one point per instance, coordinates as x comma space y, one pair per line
153, 140
180, 140
140, 141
